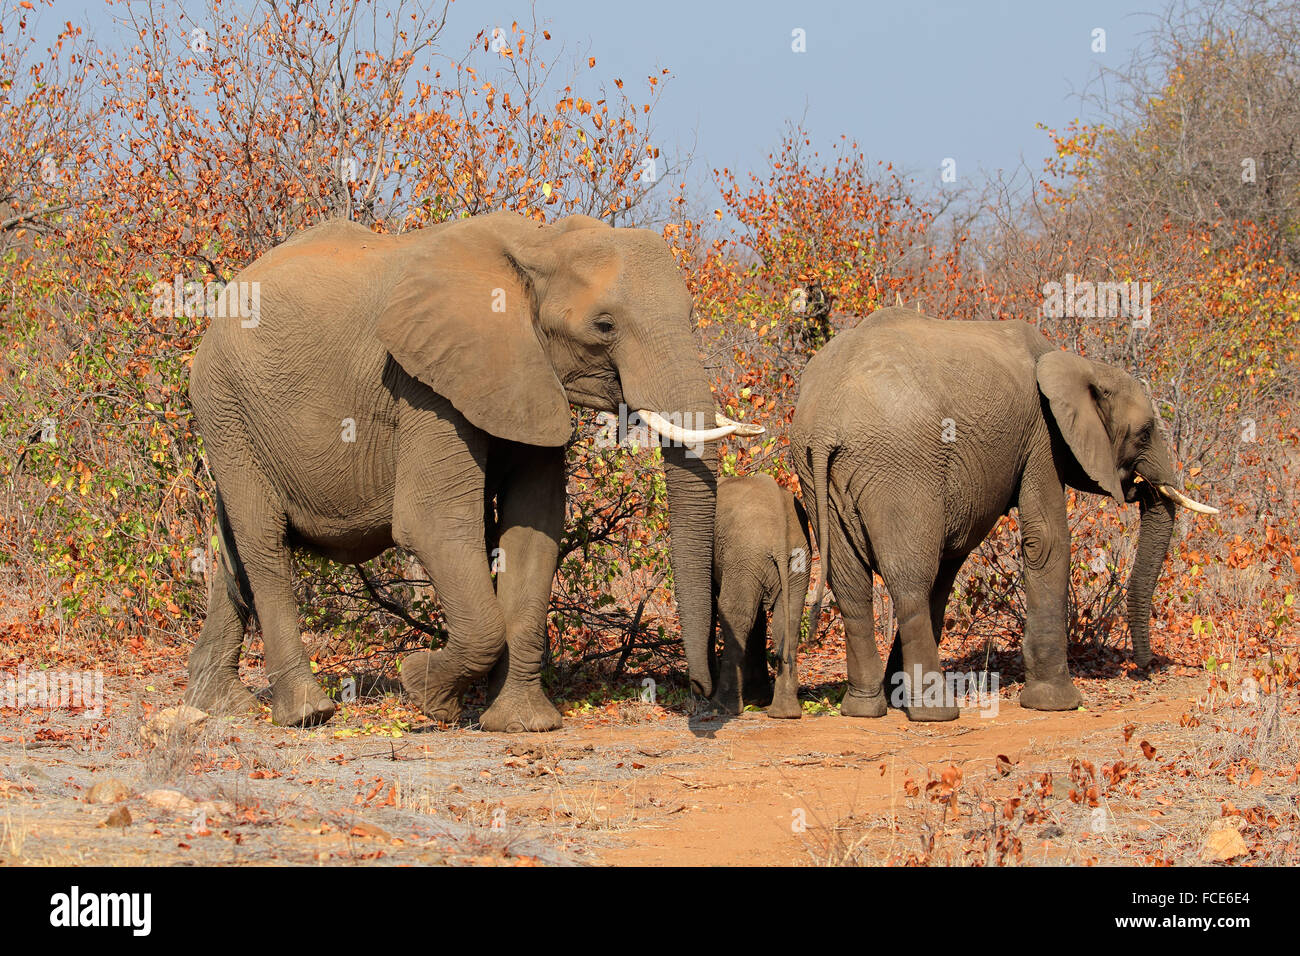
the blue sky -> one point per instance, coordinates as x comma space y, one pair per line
912, 82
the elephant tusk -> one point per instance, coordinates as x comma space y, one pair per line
684, 436
1191, 504
742, 429
1177, 497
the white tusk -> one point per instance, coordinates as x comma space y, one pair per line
1191, 504
683, 436
742, 429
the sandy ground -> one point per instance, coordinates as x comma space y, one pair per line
626, 784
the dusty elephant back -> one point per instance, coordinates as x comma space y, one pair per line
750, 511
755, 515
920, 387
307, 385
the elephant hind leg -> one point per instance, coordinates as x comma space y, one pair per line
738, 610
756, 683
785, 697
940, 594
259, 525
908, 550
852, 583
214, 684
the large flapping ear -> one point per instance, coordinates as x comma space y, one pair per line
1070, 384
462, 320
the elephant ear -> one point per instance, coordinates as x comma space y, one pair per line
461, 319
1070, 384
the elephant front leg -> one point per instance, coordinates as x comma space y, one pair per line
458, 568
1045, 537
531, 517
438, 516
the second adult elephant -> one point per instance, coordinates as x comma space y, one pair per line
414, 390
912, 436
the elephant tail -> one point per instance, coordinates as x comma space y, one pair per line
236, 578
820, 466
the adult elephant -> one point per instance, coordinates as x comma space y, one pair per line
414, 390
912, 436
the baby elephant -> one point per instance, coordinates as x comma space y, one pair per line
760, 565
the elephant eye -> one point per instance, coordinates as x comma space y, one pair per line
604, 325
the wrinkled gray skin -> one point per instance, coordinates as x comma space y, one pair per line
886, 492
761, 557
452, 354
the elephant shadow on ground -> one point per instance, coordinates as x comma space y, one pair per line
1086, 660
705, 723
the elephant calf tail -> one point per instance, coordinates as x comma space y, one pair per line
820, 466
236, 578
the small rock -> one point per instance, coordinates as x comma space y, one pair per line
1224, 843
111, 790
169, 800
174, 723
120, 817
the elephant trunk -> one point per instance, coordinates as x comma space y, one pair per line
692, 496
677, 392
1157, 527
1153, 544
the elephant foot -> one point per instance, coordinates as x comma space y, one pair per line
725, 700
220, 696
1050, 695
434, 683
858, 703
300, 703
785, 708
931, 713
520, 708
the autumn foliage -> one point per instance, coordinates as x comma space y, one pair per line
190, 149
